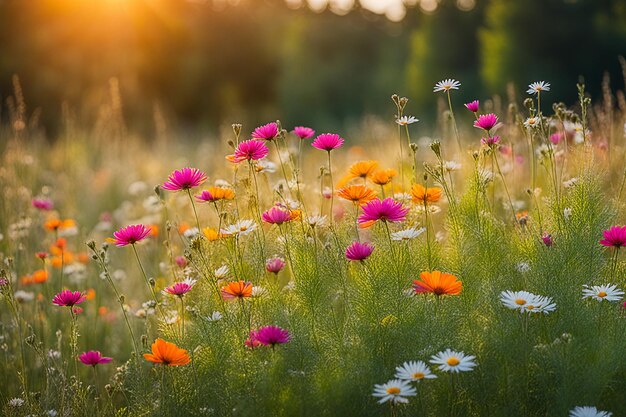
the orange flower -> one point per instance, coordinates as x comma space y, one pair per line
295, 214
222, 193
383, 177
363, 169
167, 353
183, 227
438, 283
40, 276
83, 257
102, 310
91, 294
56, 224
154, 230
211, 234
237, 289
358, 194
425, 195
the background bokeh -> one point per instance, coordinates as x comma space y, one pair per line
202, 64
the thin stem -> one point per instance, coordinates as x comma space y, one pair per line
332, 188
195, 213
456, 130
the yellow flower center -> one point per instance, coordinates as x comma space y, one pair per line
393, 390
602, 294
453, 361
530, 307
243, 228
520, 302
418, 375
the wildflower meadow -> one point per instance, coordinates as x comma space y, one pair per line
286, 271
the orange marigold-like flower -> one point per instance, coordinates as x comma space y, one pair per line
363, 169
167, 353
423, 195
383, 177
358, 194
237, 289
211, 234
438, 283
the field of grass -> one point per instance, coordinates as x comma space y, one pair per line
485, 256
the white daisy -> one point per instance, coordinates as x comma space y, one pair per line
523, 267
517, 300
606, 292
191, 232
446, 85
394, 391
588, 411
402, 197
532, 122
221, 272
570, 183
542, 304
452, 361
263, 165
242, 227
22, 296
317, 221
414, 371
215, 316
258, 291
408, 234
537, 87
452, 166
16, 402
406, 120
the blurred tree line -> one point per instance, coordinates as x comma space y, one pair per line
205, 64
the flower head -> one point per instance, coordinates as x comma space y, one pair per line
395, 391
408, 234
303, 132
532, 122
384, 176
490, 141
130, 235
615, 236
527, 302
605, 292
556, 138
180, 288
248, 150
272, 335
236, 289
438, 283
424, 195
274, 265
167, 353
537, 87
214, 194
358, 251
588, 411
266, 132
43, 204
276, 215
362, 169
241, 228
406, 120
452, 361
327, 141
446, 85
387, 210
472, 106
546, 238
67, 298
358, 194
486, 122
414, 371
93, 358
184, 179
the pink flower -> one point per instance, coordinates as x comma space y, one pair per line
358, 251
303, 132
93, 358
614, 236
556, 138
272, 335
180, 288
67, 298
181, 261
3, 282
42, 204
77, 310
184, 179
130, 235
250, 150
267, 132
42, 255
547, 239
486, 121
472, 106
490, 140
276, 215
274, 265
385, 210
327, 141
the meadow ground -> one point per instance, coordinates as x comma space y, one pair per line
280, 271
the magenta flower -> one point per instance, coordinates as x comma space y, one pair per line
184, 179
272, 335
93, 358
250, 150
303, 132
274, 265
486, 121
385, 210
556, 138
547, 239
358, 251
206, 196
276, 215
180, 288
67, 298
266, 132
42, 204
472, 106
615, 236
3, 282
327, 141
490, 140
181, 261
130, 235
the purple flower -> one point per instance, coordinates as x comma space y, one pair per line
180, 288
303, 132
327, 141
266, 132
130, 235
272, 335
42, 204
486, 121
184, 179
472, 106
385, 210
250, 150
490, 140
274, 265
67, 298
614, 236
358, 251
547, 239
93, 358
276, 215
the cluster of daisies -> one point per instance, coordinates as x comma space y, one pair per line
397, 390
